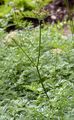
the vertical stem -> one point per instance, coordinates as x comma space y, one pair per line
40, 79
67, 4
37, 67
72, 28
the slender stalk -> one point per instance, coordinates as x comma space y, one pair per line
40, 79
67, 5
37, 67
24, 52
72, 28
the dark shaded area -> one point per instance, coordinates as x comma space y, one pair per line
1, 2
34, 21
10, 26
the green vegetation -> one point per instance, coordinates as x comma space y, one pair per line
36, 65
15, 10
21, 93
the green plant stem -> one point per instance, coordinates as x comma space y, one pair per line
67, 5
72, 27
24, 52
40, 79
37, 67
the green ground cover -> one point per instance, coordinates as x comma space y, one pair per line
21, 94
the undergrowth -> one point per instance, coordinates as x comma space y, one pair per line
21, 94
